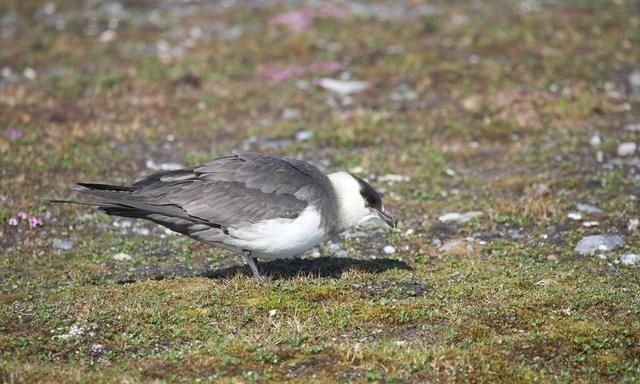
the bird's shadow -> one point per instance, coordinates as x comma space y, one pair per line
332, 267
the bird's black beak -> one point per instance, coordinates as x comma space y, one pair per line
387, 217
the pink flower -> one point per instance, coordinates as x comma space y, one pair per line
34, 222
295, 20
13, 222
13, 134
3, 198
21, 215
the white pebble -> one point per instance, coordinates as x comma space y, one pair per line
574, 216
389, 250
627, 149
630, 259
122, 257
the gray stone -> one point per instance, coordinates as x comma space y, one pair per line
627, 149
590, 245
588, 208
630, 259
389, 250
458, 217
122, 257
62, 244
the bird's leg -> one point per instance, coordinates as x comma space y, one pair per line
252, 264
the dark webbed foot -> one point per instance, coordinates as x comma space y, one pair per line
253, 264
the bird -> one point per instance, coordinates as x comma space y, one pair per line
262, 206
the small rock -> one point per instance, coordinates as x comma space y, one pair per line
304, 135
633, 225
343, 87
574, 216
633, 127
459, 217
389, 250
341, 253
598, 243
97, 350
456, 247
627, 149
273, 312
162, 166
391, 178
315, 253
29, 73
588, 208
122, 257
630, 259
590, 224
142, 231
595, 140
63, 244
552, 257
333, 248
290, 113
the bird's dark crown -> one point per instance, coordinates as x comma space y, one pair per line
370, 196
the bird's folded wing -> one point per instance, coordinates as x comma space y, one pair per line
237, 189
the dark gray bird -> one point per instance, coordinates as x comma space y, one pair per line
264, 206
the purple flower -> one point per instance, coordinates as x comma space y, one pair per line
13, 222
295, 20
3, 198
13, 134
34, 222
21, 215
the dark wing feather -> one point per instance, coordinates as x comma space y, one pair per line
229, 191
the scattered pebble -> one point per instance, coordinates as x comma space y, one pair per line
163, 166
341, 253
343, 87
332, 248
391, 178
552, 257
627, 149
304, 135
595, 140
97, 350
598, 243
63, 244
458, 217
75, 331
409, 232
456, 247
633, 225
272, 312
403, 93
389, 250
632, 127
630, 259
574, 216
290, 113
122, 257
588, 208
29, 73
590, 224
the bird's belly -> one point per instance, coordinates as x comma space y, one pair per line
278, 238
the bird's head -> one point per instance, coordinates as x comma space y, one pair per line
358, 201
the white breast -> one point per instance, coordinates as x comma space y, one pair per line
278, 238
